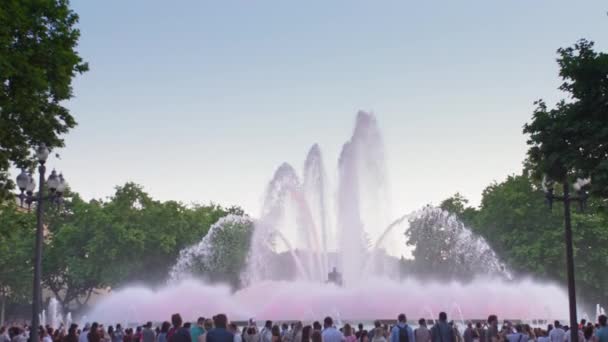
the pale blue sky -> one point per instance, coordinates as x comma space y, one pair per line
202, 100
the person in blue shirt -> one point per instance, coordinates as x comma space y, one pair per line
197, 330
602, 333
220, 333
330, 333
442, 331
402, 332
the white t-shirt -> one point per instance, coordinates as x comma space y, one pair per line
581, 336
557, 335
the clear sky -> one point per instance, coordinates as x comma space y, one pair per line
200, 101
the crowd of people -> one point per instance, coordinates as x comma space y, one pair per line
219, 329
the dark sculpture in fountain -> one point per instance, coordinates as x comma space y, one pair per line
334, 277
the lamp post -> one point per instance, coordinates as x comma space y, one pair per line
56, 186
580, 197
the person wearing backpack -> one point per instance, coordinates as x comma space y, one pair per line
401, 331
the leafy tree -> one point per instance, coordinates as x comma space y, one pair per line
221, 255
458, 205
16, 251
154, 232
128, 238
79, 251
38, 60
571, 139
518, 225
444, 248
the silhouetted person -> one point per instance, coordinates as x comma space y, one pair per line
266, 332
442, 331
220, 332
178, 333
330, 333
422, 333
402, 332
602, 332
148, 334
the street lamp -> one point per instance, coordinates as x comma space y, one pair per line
56, 185
580, 197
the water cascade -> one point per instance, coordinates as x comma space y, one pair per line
305, 230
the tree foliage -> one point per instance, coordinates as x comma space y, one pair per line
221, 256
130, 238
38, 61
566, 142
571, 139
515, 220
16, 253
458, 205
444, 248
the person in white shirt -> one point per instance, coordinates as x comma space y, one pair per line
330, 333
266, 332
235, 330
85, 331
46, 337
557, 334
581, 336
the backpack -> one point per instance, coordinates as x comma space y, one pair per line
404, 335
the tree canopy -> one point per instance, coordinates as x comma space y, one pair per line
129, 238
16, 255
571, 139
515, 220
38, 61
221, 255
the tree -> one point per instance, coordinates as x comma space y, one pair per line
16, 251
128, 238
221, 255
516, 222
38, 60
571, 140
80, 251
155, 232
458, 205
444, 248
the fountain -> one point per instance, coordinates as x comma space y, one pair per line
52, 315
298, 240
599, 310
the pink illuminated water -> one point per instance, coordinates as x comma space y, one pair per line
302, 300
317, 229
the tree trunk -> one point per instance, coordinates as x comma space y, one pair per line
2, 308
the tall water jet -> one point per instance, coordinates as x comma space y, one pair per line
263, 242
370, 162
315, 191
351, 238
54, 314
362, 195
283, 195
